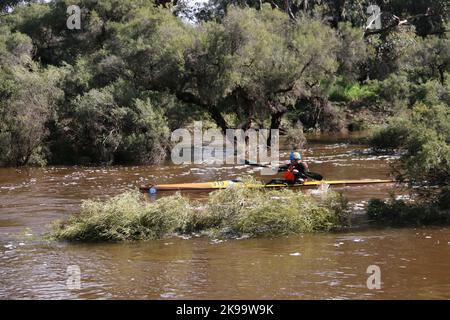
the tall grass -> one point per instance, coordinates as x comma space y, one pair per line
236, 211
350, 92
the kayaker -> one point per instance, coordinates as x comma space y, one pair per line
295, 171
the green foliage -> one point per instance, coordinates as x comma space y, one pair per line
246, 66
336, 12
392, 92
357, 92
353, 51
392, 136
97, 118
100, 130
388, 53
424, 137
148, 139
128, 217
431, 93
430, 59
152, 42
400, 213
28, 101
235, 211
428, 145
350, 92
110, 92
15, 48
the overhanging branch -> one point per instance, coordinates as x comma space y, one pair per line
397, 22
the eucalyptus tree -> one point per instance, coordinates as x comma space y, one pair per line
429, 59
256, 64
28, 96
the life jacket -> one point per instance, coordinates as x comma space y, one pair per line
289, 175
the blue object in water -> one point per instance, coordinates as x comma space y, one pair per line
152, 190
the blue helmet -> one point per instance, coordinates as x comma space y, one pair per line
295, 156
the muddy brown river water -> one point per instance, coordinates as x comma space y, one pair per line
414, 262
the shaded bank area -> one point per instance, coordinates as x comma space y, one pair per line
398, 212
232, 213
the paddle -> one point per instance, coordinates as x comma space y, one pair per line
256, 164
314, 175
309, 174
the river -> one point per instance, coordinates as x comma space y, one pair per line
414, 262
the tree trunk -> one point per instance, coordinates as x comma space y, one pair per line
246, 108
275, 122
218, 118
215, 114
441, 74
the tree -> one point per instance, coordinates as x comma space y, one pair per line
430, 59
258, 64
31, 99
28, 97
352, 54
152, 43
111, 125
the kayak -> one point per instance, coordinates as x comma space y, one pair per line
216, 185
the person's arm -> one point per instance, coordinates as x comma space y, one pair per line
302, 168
306, 166
283, 168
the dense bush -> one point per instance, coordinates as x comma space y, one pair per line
29, 100
399, 213
392, 136
422, 136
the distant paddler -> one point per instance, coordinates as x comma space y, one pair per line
295, 172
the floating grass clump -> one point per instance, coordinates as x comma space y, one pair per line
275, 212
232, 212
129, 217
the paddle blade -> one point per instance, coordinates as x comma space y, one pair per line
255, 164
314, 175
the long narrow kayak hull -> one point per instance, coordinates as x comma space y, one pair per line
216, 185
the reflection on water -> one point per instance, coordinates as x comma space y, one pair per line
414, 262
